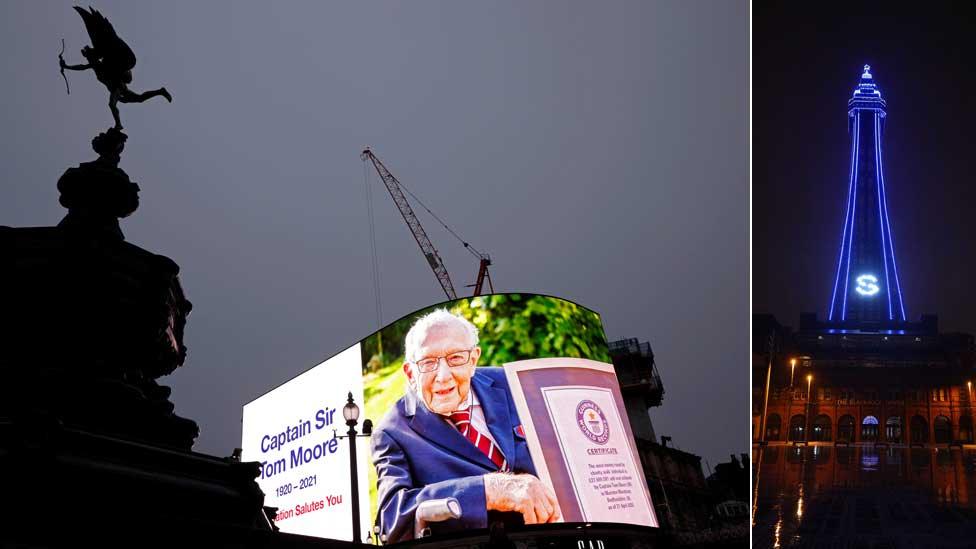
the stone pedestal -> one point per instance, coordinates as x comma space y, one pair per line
90, 323
90, 446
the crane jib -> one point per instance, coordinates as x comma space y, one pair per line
426, 246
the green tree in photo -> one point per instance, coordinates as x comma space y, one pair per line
519, 327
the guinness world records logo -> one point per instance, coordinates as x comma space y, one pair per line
592, 422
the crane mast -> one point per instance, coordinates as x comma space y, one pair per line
433, 258
482, 275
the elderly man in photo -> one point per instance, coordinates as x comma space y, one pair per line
455, 433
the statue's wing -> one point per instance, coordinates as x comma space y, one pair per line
113, 50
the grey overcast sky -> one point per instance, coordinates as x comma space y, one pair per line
598, 151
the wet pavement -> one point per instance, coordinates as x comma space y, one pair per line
864, 497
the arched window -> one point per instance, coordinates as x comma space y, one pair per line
773, 425
845, 428
821, 429
966, 429
869, 429
893, 429
942, 429
919, 430
798, 425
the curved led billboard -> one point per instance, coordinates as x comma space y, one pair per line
491, 408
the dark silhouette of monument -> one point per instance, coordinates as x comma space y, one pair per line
112, 61
90, 446
89, 443
92, 321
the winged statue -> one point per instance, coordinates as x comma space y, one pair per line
112, 60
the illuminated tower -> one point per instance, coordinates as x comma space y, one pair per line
866, 289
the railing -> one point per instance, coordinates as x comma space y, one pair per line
636, 374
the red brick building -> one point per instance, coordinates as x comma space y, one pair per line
906, 386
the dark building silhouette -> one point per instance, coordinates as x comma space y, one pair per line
640, 383
684, 502
730, 481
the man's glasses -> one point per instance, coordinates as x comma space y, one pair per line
429, 364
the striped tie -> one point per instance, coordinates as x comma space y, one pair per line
462, 420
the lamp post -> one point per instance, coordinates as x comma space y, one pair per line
969, 401
809, 408
351, 413
769, 375
792, 370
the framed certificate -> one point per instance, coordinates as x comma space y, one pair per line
580, 439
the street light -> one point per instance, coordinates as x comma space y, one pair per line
809, 407
351, 414
769, 376
350, 411
792, 369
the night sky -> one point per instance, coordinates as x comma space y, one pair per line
598, 152
806, 64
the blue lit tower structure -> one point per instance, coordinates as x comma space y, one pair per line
866, 374
866, 291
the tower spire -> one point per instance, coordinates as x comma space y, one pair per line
866, 291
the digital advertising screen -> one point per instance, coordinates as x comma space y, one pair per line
293, 432
454, 446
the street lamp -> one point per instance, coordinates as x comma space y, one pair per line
769, 376
351, 414
792, 369
809, 407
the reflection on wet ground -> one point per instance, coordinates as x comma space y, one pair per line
826, 496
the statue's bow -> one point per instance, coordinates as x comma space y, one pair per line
61, 64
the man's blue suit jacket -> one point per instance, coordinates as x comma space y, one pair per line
420, 456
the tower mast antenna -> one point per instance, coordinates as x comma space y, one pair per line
867, 290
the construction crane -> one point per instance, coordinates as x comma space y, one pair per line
426, 246
483, 274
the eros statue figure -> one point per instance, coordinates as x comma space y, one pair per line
112, 60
